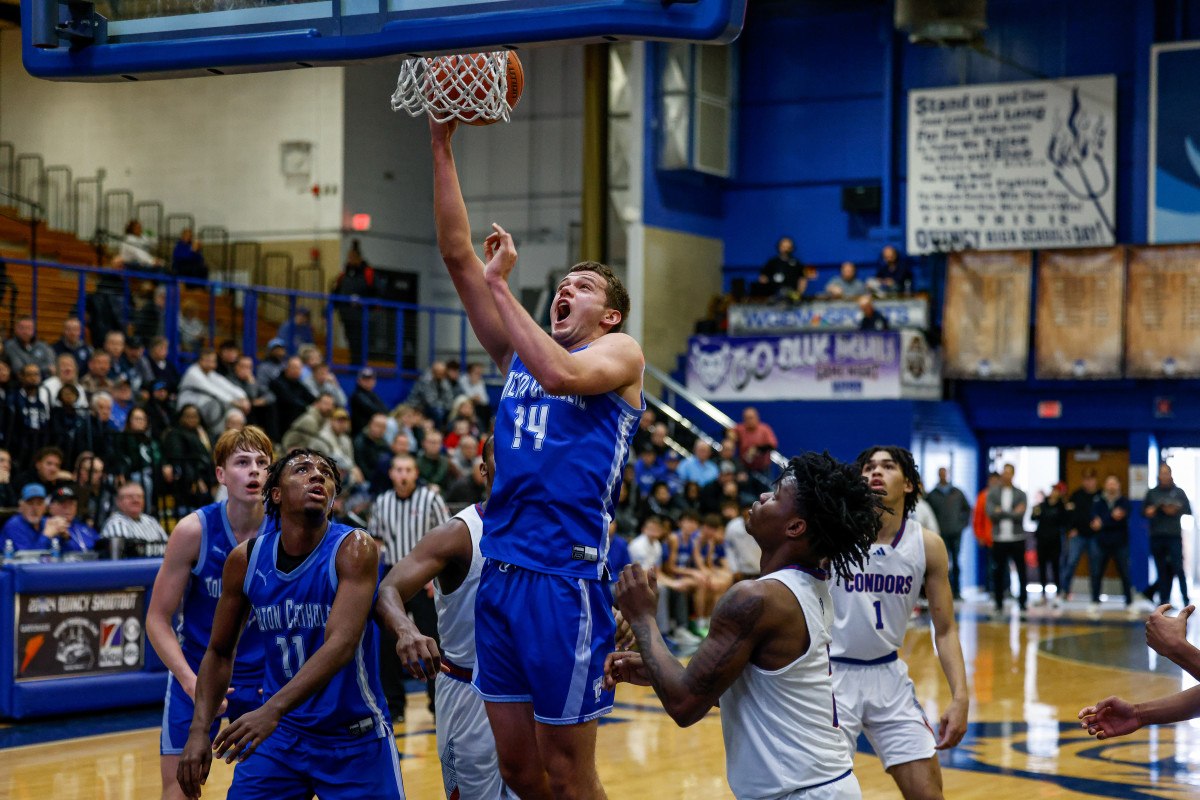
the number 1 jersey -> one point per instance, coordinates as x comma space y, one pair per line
559, 461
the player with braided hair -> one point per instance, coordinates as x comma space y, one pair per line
873, 606
766, 657
275, 472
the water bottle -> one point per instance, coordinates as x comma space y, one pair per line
10, 552
55, 550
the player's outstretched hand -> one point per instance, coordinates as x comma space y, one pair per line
500, 254
194, 763
1167, 635
419, 655
952, 726
440, 132
241, 738
625, 666
1111, 717
637, 593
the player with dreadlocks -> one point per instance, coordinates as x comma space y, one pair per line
766, 657
873, 606
310, 583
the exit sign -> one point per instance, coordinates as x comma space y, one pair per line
1049, 409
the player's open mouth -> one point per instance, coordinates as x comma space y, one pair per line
877, 484
253, 486
317, 494
562, 311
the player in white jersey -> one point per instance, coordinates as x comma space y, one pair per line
766, 658
873, 606
449, 557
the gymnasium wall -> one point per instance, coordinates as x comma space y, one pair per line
209, 146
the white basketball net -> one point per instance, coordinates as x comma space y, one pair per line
446, 88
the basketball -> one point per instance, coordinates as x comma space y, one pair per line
453, 76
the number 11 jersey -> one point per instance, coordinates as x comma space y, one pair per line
559, 461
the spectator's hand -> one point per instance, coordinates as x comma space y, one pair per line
1150, 510
168, 472
833, 291
258, 402
356, 476
1020, 509
1095, 523
1071, 534
1110, 717
1168, 635
57, 526
1171, 509
1118, 514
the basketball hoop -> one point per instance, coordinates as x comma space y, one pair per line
478, 88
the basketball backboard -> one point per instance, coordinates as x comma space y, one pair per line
112, 40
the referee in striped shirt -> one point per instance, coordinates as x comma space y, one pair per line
400, 517
130, 531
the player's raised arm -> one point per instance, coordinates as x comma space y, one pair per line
358, 573
1113, 717
458, 253
215, 672
738, 624
1167, 636
612, 363
447, 544
953, 723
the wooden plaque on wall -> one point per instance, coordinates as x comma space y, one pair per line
986, 318
1163, 313
1080, 313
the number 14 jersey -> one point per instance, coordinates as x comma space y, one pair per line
559, 461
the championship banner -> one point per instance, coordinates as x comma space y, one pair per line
985, 326
1174, 143
806, 366
79, 633
756, 318
1012, 165
1162, 321
1080, 314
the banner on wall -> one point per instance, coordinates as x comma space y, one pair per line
985, 325
753, 318
1080, 314
1174, 143
1163, 314
79, 633
1012, 165
812, 366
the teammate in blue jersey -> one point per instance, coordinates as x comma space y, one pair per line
191, 574
310, 586
566, 417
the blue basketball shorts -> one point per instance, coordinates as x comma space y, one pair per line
179, 708
542, 639
291, 767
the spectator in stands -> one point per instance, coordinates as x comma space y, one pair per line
433, 393
871, 320
122, 395
364, 403
72, 342
463, 420
139, 456
1110, 521
66, 372
96, 379
380, 479
369, 445
1079, 526
272, 363
699, 467
336, 443
432, 464
46, 470
186, 259
310, 356
24, 529
743, 553
306, 430
114, 346
356, 281
953, 514
156, 367
137, 249
105, 305
24, 348
1006, 510
680, 575
670, 473
297, 331
659, 501
1165, 504
227, 355
728, 454
8, 493
235, 420
187, 457
203, 387
130, 532
95, 497
158, 409
714, 577
646, 549
647, 470
63, 522
66, 417
658, 439
193, 331
323, 381
462, 457
471, 385
1051, 518
756, 441
130, 362
894, 275
292, 397
262, 401
150, 318
626, 512
409, 421
470, 487
846, 285
727, 486
641, 437
30, 417
783, 272
95, 434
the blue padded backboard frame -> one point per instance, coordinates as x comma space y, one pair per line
331, 32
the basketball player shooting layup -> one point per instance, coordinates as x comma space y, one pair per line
191, 573
875, 694
449, 557
766, 657
322, 728
564, 424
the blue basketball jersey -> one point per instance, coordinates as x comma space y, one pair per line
292, 609
200, 599
558, 475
